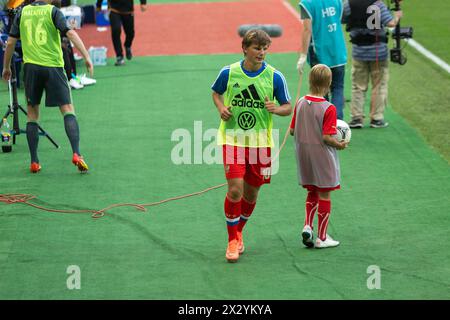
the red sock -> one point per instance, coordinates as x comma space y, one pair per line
246, 211
312, 200
232, 214
323, 212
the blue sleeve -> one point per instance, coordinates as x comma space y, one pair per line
386, 15
280, 89
220, 84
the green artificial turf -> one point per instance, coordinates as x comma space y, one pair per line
392, 210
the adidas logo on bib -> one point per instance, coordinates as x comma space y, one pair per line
249, 98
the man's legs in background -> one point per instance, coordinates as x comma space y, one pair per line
69, 64
337, 90
378, 102
128, 26
116, 29
360, 82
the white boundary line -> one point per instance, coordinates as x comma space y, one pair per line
441, 63
291, 9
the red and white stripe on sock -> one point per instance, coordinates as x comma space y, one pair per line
246, 211
232, 215
323, 212
312, 202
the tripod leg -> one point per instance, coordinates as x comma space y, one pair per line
48, 136
7, 113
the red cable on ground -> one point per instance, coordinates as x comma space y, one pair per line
13, 198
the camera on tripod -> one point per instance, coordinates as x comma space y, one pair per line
397, 54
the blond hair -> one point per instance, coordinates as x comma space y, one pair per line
320, 80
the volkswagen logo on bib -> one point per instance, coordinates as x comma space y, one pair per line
246, 120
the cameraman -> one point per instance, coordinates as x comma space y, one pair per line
370, 57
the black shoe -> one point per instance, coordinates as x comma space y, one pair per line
378, 124
356, 124
129, 54
120, 61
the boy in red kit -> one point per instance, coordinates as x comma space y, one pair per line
313, 127
244, 94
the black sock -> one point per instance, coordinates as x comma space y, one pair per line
73, 132
33, 140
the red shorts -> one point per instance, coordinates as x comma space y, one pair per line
251, 164
312, 188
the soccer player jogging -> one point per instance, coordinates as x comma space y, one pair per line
313, 127
40, 25
244, 95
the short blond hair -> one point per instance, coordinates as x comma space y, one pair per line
320, 79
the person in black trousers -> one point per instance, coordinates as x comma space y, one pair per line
70, 67
122, 14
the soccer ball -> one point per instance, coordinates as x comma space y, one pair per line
343, 131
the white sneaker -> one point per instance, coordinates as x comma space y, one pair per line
85, 81
74, 84
308, 236
327, 243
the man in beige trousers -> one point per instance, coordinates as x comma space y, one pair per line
366, 20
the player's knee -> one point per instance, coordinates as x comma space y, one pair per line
235, 193
325, 195
67, 108
251, 195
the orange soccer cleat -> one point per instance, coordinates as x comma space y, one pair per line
35, 167
240, 240
232, 254
79, 162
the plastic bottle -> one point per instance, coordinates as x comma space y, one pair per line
6, 136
